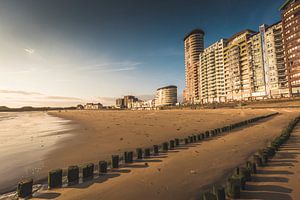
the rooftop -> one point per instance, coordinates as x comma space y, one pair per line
195, 31
166, 87
241, 33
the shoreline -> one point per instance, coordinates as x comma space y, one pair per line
34, 136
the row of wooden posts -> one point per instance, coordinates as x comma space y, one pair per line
55, 177
237, 180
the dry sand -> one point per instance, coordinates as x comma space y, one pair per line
180, 174
103, 133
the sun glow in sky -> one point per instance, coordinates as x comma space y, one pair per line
60, 53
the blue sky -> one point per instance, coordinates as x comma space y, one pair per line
63, 52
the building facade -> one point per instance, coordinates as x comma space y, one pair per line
166, 96
273, 56
237, 70
211, 73
193, 46
290, 13
93, 106
120, 103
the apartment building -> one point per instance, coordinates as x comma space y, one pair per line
193, 46
273, 55
290, 13
257, 70
211, 72
237, 68
166, 96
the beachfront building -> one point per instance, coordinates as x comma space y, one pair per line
211, 73
256, 65
144, 105
93, 106
127, 102
120, 103
166, 96
290, 13
273, 56
237, 67
193, 46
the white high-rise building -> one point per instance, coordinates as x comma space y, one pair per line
211, 72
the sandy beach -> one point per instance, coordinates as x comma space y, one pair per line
103, 133
185, 172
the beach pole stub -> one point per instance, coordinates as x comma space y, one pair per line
88, 171
24, 189
55, 178
147, 153
139, 153
102, 167
73, 174
172, 144
177, 142
115, 161
165, 146
155, 149
219, 192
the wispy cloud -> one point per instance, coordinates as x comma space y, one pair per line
63, 98
19, 92
29, 51
111, 67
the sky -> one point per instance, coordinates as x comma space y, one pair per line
65, 52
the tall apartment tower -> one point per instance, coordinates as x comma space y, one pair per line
290, 14
273, 55
238, 74
257, 70
193, 46
211, 71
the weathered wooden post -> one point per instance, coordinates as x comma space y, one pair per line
155, 149
24, 189
208, 196
55, 178
115, 161
102, 167
177, 142
165, 146
191, 139
199, 137
194, 138
172, 144
252, 167
139, 153
257, 160
147, 153
73, 175
219, 192
88, 171
128, 157
233, 187
186, 141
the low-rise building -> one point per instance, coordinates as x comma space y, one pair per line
93, 106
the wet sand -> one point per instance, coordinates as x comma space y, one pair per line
25, 139
183, 173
